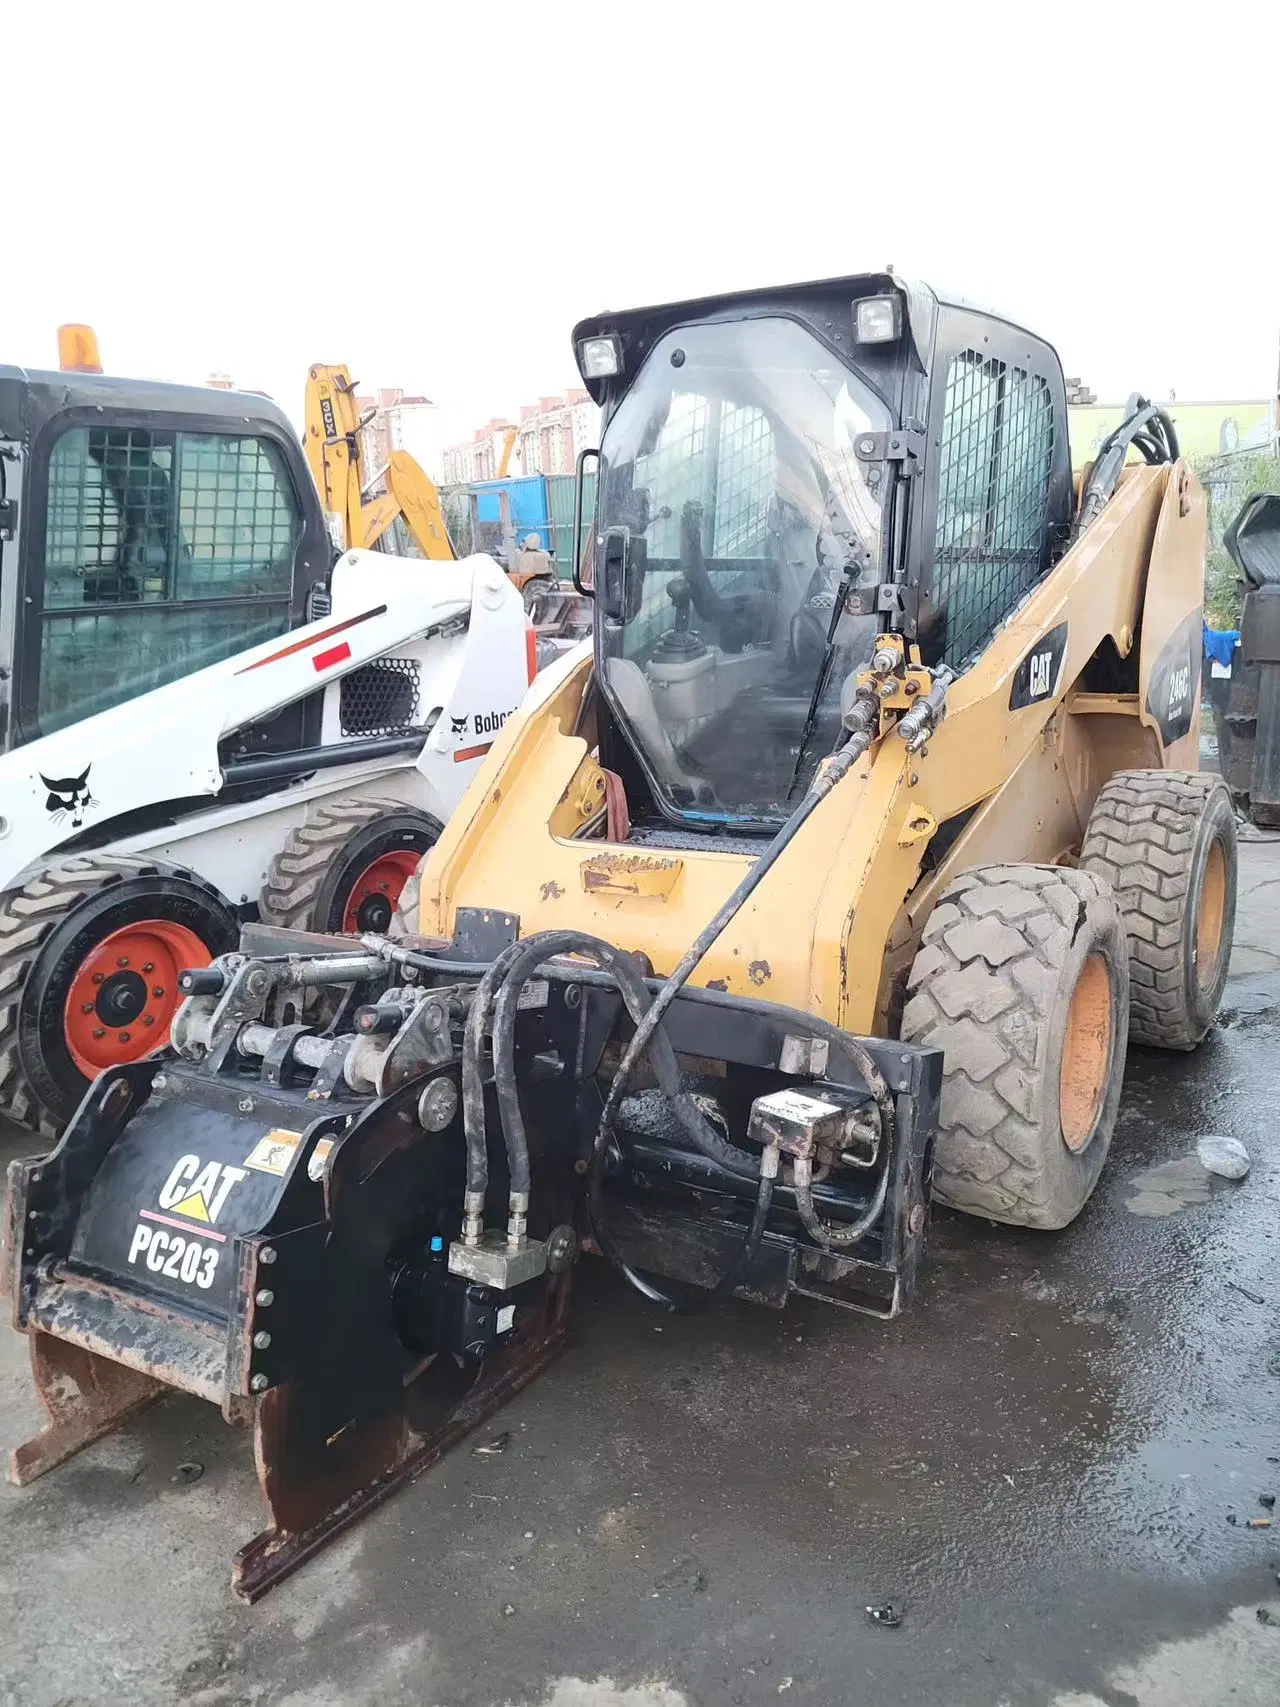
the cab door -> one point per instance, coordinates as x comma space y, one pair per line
154, 544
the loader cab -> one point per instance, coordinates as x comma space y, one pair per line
146, 531
784, 474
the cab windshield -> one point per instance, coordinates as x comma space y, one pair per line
734, 518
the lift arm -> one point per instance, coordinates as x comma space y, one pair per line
332, 444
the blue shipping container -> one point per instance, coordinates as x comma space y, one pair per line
527, 496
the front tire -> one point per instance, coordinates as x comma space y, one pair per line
1022, 979
90, 953
1165, 841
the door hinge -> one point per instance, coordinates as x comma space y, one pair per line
8, 518
903, 444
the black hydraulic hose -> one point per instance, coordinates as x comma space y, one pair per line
836, 1235
687, 1303
1145, 427
511, 969
737, 1270
473, 1078
647, 1015
822, 785
521, 959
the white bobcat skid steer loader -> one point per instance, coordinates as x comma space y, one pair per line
203, 716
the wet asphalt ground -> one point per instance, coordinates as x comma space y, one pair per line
1038, 1466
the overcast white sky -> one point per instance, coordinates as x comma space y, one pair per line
434, 193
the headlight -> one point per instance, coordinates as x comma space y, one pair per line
878, 319
599, 358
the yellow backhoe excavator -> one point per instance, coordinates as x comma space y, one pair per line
833, 878
356, 517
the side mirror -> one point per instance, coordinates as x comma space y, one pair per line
580, 560
1253, 539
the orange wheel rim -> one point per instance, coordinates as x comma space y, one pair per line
125, 993
371, 905
1086, 1054
1210, 914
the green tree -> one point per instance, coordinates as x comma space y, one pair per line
1229, 480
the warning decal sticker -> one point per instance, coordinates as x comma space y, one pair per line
272, 1154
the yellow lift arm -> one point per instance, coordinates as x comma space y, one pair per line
332, 445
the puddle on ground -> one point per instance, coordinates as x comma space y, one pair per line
1171, 1186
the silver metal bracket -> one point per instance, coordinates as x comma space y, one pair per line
496, 1262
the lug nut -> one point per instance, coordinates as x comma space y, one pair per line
97, 977
264, 1297
261, 1340
158, 991
123, 960
258, 1384
150, 966
98, 1031
149, 1019
86, 1007
124, 1037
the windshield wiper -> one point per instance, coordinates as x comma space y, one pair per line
824, 670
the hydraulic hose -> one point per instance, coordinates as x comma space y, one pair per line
1145, 427
835, 1235
507, 975
502, 983
477, 1180
822, 785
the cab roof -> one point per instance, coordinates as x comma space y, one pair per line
31, 396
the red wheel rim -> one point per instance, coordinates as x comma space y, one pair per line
371, 904
125, 993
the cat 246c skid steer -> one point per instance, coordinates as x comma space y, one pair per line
836, 875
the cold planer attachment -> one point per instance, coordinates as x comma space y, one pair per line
328, 1210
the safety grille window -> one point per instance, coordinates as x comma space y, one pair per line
720, 456
993, 489
164, 552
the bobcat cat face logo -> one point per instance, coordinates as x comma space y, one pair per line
460, 724
68, 794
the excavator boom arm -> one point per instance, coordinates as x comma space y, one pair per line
332, 444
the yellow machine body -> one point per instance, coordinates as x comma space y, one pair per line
847, 899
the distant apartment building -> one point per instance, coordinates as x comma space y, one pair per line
390, 412
548, 437
480, 456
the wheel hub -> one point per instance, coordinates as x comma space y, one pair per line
121, 998
124, 993
372, 902
1086, 1055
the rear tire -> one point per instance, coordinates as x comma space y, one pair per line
50, 932
1022, 979
534, 595
1165, 841
344, 870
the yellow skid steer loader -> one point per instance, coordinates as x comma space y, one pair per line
832, 877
